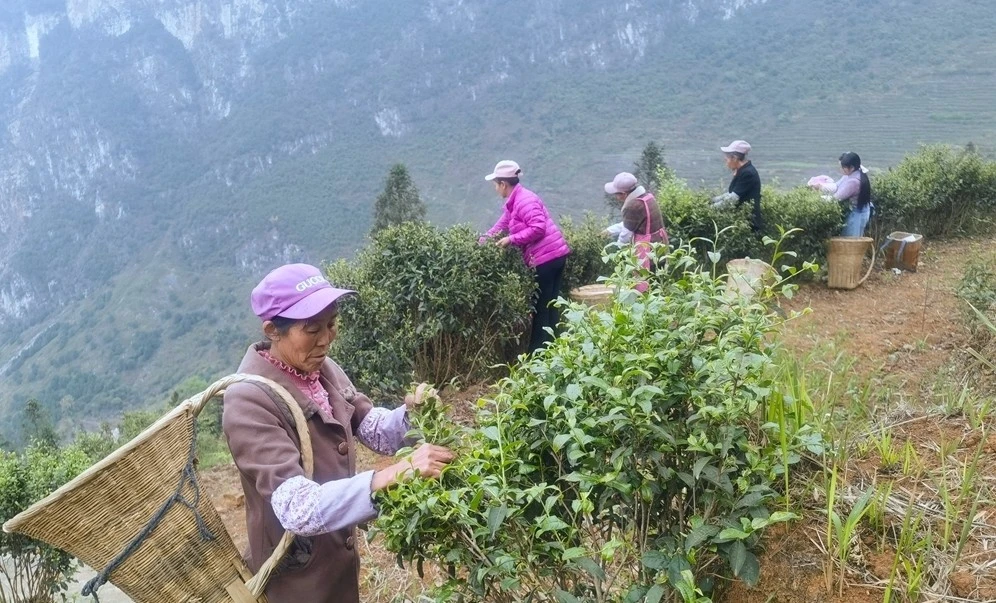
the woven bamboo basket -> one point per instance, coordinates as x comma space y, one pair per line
846, 261
593, 295
140, 518
746, 277
902, 250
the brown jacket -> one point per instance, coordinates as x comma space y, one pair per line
264, 444
635, 210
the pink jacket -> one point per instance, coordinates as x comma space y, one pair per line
530, 227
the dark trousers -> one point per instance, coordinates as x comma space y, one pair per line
549, 277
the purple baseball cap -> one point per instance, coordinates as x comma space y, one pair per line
297, 291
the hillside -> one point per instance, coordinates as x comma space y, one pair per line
159, 156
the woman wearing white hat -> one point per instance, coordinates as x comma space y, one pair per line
853, 190
746, 184
529, 226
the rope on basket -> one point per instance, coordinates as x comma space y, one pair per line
187, 476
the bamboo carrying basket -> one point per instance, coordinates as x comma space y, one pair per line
593, 295
106, 516
746, 277
902, 250
846, 261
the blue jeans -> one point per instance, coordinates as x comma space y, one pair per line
857, 222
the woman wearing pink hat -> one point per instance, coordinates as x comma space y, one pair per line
642, 221
298, 308
530, 227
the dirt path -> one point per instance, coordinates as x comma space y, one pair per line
909, 328
909, 323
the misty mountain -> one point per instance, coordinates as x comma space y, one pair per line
158, 156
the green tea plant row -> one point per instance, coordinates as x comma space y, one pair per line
634, 459
438, 306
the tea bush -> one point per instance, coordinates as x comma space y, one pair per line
434, 305
977, 291
937, 191
816, 218
690, 216
630, 460
585, 264
33, 571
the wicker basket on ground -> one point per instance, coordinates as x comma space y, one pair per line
594, 295
141, 519
747, 277
845, 260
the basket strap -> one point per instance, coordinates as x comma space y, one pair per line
257, 584
279, 394
870, 266
187, 476
239, 593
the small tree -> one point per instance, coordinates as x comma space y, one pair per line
651, 165
400, 201
37, 425
34, 571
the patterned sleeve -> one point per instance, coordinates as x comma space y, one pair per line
307, 508
383, 430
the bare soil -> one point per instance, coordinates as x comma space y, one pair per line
909, 327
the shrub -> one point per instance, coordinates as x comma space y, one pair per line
690, 216
938, 191
433, 305
587, 244
977, 291
691, 219
34, 571
628, 460
816, 218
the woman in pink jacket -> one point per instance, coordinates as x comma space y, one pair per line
529, 226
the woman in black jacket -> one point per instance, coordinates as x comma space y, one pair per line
746, 184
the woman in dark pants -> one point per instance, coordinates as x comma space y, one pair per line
529, 226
